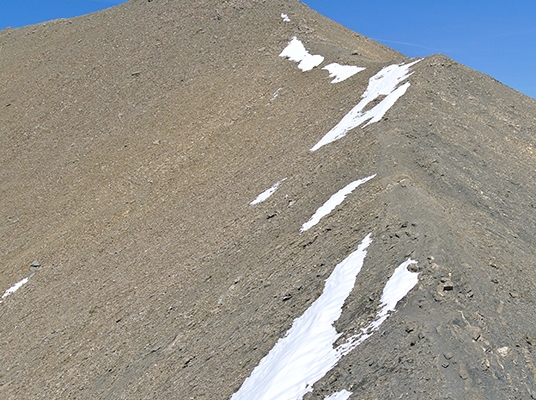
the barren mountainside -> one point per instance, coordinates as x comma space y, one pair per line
206, 200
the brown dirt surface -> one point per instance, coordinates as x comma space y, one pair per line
132, 142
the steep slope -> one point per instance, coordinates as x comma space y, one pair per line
133, 142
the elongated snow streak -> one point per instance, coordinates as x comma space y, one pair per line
341, 72
276, 93
384, 83
295, 51
397, 287
342, 395
285, 17
15, 287
267, 193
306, 353
333, 202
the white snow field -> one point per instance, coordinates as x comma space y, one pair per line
306, 352
341, 72
384, 83
267, 193
333, 202
396, 288
295, 51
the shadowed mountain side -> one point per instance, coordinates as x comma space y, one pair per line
459, 154
132, 142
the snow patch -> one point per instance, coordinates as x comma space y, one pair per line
267, 193
342, 395
295, 51
306, 353
15, 287
396, 288
276, 93
384, 83
285, 17
341, 72
333, 202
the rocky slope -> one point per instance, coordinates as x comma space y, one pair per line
132, 142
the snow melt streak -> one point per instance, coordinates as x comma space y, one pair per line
267, 193
396, 288
295, 51
333, 202
306, 352
384, 83
15, 287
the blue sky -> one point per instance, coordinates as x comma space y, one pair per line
17, 13
497, 37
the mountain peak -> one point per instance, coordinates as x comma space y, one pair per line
203, 181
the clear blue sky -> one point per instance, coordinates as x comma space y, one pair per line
17, 13
497, 37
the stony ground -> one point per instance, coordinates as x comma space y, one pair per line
131, 144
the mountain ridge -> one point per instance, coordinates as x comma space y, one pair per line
131, 161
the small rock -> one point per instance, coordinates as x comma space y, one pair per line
355, 53
503, 351
287, 297
414, 268
448, 285
463, 374
187, 361
445, 364
474, 331
322, 273
35, 266
405, 183
448, 355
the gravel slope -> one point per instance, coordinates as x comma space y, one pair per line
132, 142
